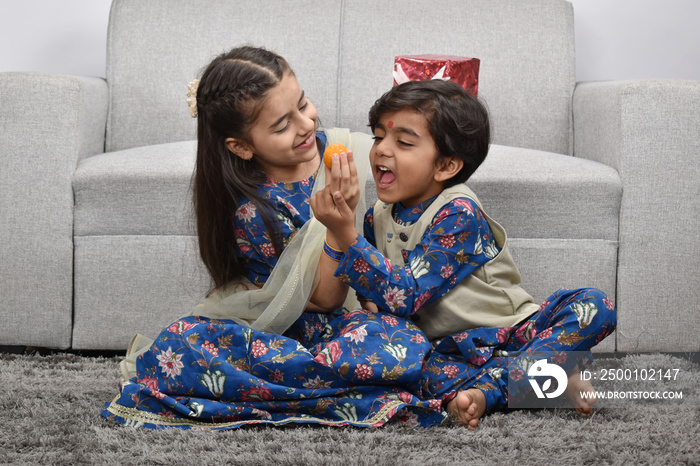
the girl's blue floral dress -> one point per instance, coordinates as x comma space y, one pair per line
457, 242
348, 368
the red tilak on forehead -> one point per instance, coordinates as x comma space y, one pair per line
390, 124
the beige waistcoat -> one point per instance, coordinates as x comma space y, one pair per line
489, 297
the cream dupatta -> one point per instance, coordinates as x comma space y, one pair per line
281, 301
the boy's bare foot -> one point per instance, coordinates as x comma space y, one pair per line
576, 390
468, 407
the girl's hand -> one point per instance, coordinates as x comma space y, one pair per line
331, 209
335, 206
343, 177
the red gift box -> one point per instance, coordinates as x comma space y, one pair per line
462, 70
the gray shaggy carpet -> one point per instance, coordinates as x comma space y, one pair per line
50, 414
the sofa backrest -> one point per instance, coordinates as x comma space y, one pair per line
342, 52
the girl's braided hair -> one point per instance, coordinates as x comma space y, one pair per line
231, 92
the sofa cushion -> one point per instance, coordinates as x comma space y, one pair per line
536, 194
142, 191
133, 284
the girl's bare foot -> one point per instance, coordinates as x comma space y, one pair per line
468, 407
581, 393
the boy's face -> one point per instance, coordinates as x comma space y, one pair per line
404, 159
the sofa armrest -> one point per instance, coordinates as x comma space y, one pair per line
48, 123
650, 132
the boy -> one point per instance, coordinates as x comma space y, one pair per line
430, 253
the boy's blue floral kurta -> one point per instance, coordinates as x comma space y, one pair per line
348, 368
458, 241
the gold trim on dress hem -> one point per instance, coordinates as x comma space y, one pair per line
137, 415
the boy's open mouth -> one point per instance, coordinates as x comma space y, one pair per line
385, 177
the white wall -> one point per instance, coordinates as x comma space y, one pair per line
615, 39
637, 39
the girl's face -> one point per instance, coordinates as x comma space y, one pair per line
283, 137
405, 160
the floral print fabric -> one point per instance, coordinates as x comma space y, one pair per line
354, 368
458, 241
290, 202
349, 368
568, 321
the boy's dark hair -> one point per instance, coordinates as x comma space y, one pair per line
458, 121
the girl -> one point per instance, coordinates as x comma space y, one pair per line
430, 253
274, 342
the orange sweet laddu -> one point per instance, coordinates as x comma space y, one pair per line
336, 148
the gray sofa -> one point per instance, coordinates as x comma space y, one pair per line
596, 183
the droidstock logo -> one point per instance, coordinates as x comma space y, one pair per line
544, 369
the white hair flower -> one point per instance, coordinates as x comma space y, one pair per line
192, 97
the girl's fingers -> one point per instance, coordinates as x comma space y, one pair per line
342, 177
350, 183
313, 203
318, 204
336, 173
340, 204
344, 172
348, 171
351, 165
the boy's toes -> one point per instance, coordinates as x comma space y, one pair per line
468, 407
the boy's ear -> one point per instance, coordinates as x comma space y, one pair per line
239, 148
448, 167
